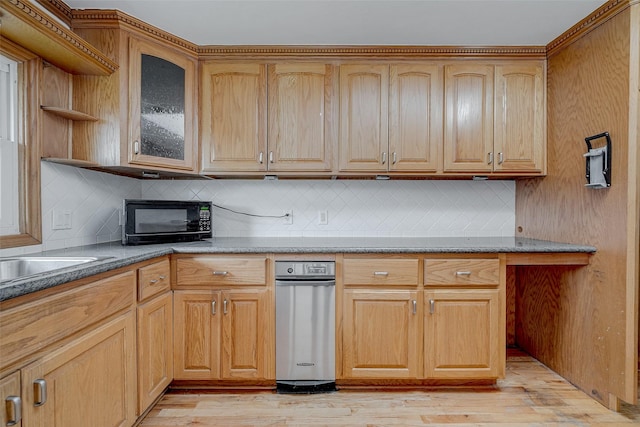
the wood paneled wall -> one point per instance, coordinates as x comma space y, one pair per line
583, 322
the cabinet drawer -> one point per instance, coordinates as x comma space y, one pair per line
462, 272
380, 271
214, 271
153, 279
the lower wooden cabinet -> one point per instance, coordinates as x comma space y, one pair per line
382, 334
462, 334
90, 381
11, 399
223, 335
155, 349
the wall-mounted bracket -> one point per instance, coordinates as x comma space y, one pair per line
598, 162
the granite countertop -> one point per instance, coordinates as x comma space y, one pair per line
121, 256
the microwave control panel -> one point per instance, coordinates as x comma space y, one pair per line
205, 219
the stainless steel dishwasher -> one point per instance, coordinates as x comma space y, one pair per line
305, 326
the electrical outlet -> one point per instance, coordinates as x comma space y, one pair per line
61, 219
288, 218
323, 217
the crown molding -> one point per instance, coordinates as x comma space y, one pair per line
591, 22
371, 52
102, 18
28, 26
59, 8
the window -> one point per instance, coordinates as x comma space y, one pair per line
9, 202
20, 212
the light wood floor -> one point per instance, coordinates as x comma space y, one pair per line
530, 395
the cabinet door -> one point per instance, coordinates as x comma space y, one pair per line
162, 100
300, 117
520, 139
415, 117
364, 121
155, 349
234, 117
197, 326
468, 132
248, 337
382, 334
11, 401
91, 380
462, 334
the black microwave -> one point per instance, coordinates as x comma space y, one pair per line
165, 221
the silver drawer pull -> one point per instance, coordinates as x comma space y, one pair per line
220, 273
162, 277
14, 410
39, 392
463, 273
381, 273
153, 282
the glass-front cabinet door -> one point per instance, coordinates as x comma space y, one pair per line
161, 107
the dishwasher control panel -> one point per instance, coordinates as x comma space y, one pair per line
305, 270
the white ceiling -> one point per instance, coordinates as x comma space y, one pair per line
357, 22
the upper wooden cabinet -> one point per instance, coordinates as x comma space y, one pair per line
495, 118
519, 130
415, 117
162, 116
233, 117
468, 109
364, 120
300, 117
390, 117
237, 99
146, 111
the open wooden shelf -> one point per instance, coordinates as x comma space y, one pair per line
69, 114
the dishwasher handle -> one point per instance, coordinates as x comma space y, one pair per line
326, 283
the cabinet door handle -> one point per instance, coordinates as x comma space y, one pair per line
213, 307
463, 273
14, 410
384, 157
220, 273
432, 306
381, 273
39, 392
270, 156
500, 158
224, 306
395, 157
260, 159
414, 303
136, 147
490, 161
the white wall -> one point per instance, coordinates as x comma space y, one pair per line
365, 208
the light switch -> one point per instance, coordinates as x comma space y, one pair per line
61, 220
